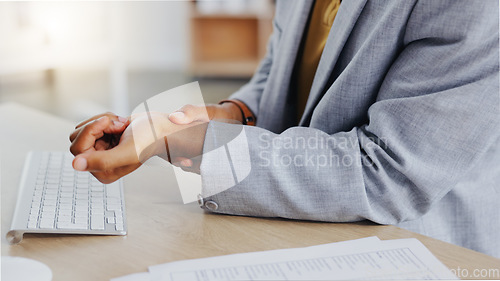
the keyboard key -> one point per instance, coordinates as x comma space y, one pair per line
32, 224
51, 196
67, 189
113, 201
47, 209
66, 200
68, 184
65, 225
97, 195
51, 191
52, 186
96, 189
119, 227
48, 215
97, 222
81, 202
66, 195
81, 220
35, 208
97, 207
113, 207
82, 197
46, 223
82, 185
119, 220
112, 191
50, 202
81, 214
64, 219
52, 181
82, 193
66, 206
97, 211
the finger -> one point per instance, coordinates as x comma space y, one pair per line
106, 160
182, 162
101, 144
119, 125
110, 115
188, 114
107, 127
111, 176
73, 135
89, 134
195, 170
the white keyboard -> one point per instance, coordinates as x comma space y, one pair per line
54, 198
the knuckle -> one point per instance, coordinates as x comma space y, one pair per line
105, 119
107, 177
74, 149
87, 129
103, 165
72, 136
187, 108
100, 177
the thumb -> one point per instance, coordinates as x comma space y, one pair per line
105, 160
188, 114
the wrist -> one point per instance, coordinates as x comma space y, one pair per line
245, 116
232, 111
148, 130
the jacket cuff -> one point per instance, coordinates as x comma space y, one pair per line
225, 162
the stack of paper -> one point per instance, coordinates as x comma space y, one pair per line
367, 258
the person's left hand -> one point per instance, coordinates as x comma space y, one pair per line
103, 148
112, 133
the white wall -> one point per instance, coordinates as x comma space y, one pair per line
142, 34
156, 34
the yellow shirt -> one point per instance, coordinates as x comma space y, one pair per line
320, 22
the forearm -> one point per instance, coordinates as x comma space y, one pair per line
366, 173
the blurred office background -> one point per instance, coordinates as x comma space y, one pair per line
77, 59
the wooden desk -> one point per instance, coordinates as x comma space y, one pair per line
162, 229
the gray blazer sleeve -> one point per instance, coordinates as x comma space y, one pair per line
251, 92
436, 114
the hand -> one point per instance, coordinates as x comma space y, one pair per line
226, 112
104, 148
112, 133
189, 114
110, 161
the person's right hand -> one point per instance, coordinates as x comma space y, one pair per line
189, 114
226, 112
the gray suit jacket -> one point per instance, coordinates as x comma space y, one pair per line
401, 126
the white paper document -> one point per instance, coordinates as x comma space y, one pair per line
367, 258
143, 276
